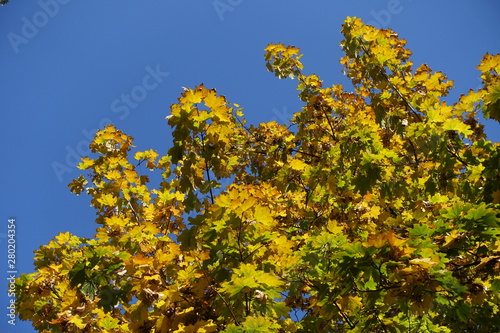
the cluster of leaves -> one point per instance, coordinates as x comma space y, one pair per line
376, 210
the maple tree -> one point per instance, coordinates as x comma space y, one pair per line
376, 209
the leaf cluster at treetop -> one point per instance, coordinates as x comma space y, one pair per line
374, 210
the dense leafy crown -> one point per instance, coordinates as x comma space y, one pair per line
375, 210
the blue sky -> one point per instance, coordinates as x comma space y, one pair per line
67, 67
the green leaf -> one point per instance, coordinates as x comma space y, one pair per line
420, 230
495, 285
463, 312
371, 284
109, 297
89, 289
78, 274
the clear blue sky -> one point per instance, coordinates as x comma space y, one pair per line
67, 66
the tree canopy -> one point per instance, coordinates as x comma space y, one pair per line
374, 210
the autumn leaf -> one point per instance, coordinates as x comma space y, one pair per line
263, 215
77, 321
108, 323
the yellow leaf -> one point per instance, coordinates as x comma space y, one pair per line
297, 165
164, 197
263, 215
424, 262
113, 174
454, 124
248, 203
86, 163
131, 175
179, 196
108, 323
374, 212
476, 172
348, 302
270, 280
376, 241
63, 237
438, 115
393, 240
116, 222
496, 197
75, 319
224, 201
107, 200
193, 96
334, 228
489, 63
140, 260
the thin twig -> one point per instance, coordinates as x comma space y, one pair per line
207, 169
348, 321
408, 104
236, 322
330, 124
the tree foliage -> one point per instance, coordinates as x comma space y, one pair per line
374, 210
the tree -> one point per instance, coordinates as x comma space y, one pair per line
374, 210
